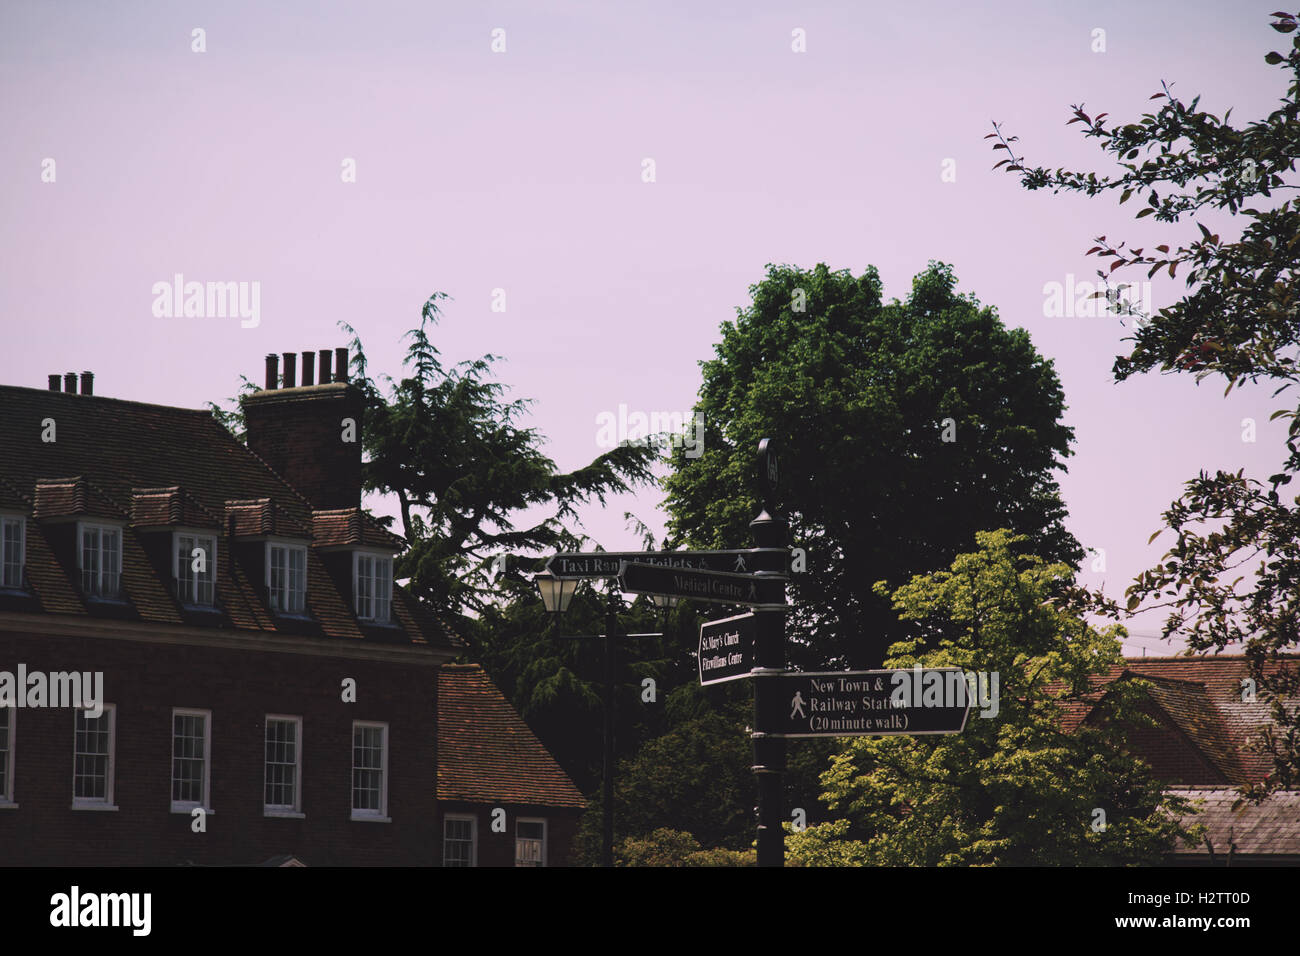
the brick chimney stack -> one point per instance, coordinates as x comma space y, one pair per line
300, 430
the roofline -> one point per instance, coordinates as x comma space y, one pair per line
1184, 658
1156, 677
78, 625
108, 398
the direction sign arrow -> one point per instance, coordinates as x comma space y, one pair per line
713, 586
865, 703
606, 564
727, 648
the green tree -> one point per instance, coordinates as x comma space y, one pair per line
556, 683
904, 427
450, 449
1014, 788
1238, 320
667, 847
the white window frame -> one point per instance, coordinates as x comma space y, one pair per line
473, 835
185, 806
7, 789
372, 616
97, 592
371, 816
105, 802
284, 810
191, 599
287, 547
21, 520
546, 834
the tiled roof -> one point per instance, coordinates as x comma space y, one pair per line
155, 507
1202, 699
68, 497
486, 753
137, 464
260, 517
352, 526
11, 499
1235, 825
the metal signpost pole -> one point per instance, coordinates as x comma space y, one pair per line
607, 809
769, 647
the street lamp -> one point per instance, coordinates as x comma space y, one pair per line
663, 604
556, 592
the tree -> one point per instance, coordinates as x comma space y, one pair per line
1013, 788
1238, 320
904, 428
444, 443
450, 450
666, 847
556, 684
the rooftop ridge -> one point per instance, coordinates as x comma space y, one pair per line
76, 396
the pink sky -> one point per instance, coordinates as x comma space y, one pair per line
522, 171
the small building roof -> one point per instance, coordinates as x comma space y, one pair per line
486, 753
1236, 827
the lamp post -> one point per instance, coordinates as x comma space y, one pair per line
556, 594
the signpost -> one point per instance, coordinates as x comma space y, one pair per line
606, 564
726, 649
868, 703
786, 703
715, 586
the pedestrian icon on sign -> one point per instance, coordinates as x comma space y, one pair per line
796, 704
740, 565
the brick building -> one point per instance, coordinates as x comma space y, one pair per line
1205, 744
503, 799
268, 690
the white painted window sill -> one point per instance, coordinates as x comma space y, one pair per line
94, 806
284, 814
370, 818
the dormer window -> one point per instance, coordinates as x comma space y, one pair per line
12, 551
196, 569
286, 577
372, 577
101, 560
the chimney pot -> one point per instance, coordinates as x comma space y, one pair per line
70, 382
325, 356
55, 384
272, 371
87, 383
340, 365
308, 368
290, 369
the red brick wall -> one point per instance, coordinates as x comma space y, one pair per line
240, 687
498, 849
299, 433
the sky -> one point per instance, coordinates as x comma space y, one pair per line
353, 158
